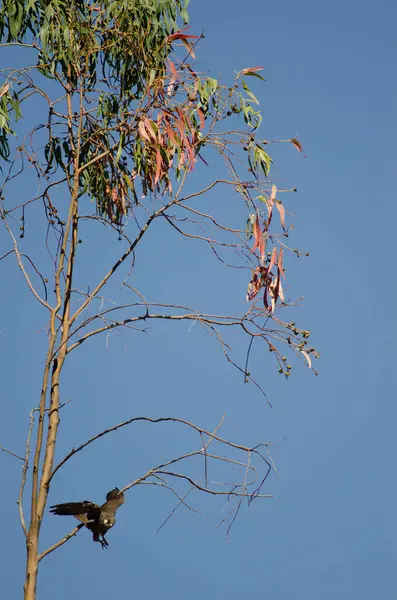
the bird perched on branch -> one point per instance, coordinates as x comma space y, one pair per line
98, 519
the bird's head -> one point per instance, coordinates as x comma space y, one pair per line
114, 493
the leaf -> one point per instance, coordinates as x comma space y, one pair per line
4, 89
272, 259
280, 289
189, 47
201, 117
309, 360
158, 166
121, 145
249, 228
265, 163
261, 157
128, 181
297, 144
280, 261
281, 210
259, 240
255, 284
255, 75
274, 290
212, 85
173, 69
142, 131
179, 35
150, 126
250, 70
249, 93
265, 302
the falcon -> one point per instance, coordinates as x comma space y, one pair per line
98, 519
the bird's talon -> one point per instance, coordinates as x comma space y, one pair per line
104, 543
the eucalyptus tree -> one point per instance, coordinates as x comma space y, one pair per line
109, 106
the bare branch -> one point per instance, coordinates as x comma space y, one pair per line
211, 491
12, 453
149, 420
129, 250
61, 542
182, 500
21, 265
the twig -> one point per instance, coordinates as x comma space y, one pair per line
12, 453
61, 542
21, 266
181, 501
150, 420
209, 490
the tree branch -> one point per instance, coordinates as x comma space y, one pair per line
61, 542
149, 420
12, 453
21, 266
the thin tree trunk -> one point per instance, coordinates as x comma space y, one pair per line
31, 566
40, 491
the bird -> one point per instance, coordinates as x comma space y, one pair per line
98, 519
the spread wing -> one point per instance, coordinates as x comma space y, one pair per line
83, 511
114, 499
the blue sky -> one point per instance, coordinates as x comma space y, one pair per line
330, 530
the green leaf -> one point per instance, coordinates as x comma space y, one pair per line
252, 74
250, 225
265, 162
121, 146
212, 85
249, 93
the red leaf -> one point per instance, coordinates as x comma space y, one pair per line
276, 289
180, 123
171, 85
149, 127
265, 299
280, 261
181, 160
297, 144
188, 46
158, 166
259, 241
189, 150
172, 135
272, 259
182, 36
179, 35
142, 131
255, 284
280, 289
172, 67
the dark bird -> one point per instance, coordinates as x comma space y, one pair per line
98, 519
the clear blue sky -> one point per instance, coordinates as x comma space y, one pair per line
330, 531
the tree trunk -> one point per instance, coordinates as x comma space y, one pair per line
31, 567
